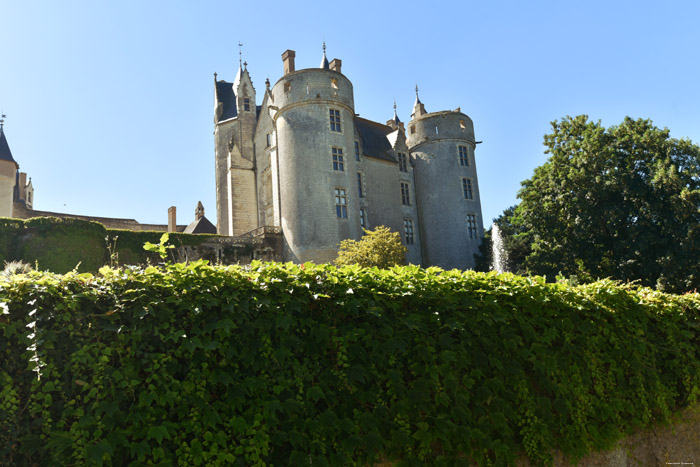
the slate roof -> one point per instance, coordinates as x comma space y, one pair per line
5, 153
201, 225
374, 139
226, 96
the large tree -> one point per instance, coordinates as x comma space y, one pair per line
620, 202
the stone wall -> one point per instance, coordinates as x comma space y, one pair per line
20, 211
675, 444
7, 185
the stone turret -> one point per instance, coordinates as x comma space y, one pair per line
8, 175
442, 147
312, 117
235, 122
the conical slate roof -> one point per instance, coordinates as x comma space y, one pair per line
324, 60
5, 153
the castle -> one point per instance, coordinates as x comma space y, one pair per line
304, 166
305, 162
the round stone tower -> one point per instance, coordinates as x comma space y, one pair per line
313, 111
447, 189
8, 175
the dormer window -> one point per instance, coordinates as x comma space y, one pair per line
246, 104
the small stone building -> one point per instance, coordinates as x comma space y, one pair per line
305, 162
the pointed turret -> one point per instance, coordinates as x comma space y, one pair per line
418, 107
5, 153
324, 60
8, 174
395, 122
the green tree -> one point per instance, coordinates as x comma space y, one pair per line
379, 247
621, 202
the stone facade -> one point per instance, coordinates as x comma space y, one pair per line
305, 162
9, 175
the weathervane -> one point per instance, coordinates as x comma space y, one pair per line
2, 119
240, 53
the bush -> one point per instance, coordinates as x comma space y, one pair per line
380, 248
286, 365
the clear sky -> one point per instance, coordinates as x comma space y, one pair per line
110, 104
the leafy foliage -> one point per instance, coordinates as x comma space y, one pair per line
297, 364
380, 248
160, 248
59, 245
621, 202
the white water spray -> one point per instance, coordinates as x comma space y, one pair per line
499, 256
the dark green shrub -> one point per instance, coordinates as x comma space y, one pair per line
289, 365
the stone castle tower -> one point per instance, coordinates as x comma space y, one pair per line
303, 161
14, 187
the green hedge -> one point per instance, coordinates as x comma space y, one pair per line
62, 245
311, 365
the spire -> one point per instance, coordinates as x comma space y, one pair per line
396, 117
324, 61
418, 107
5, 153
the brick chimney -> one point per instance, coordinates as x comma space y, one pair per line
22, 186
335, 64
172, 225
288, 60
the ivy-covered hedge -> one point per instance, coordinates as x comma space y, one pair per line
62, 245
312, 365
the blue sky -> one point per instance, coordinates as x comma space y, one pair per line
110, 104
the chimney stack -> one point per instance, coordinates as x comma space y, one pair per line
335, 64
288, 60
172, 225
22, 186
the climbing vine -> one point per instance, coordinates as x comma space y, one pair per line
274, 364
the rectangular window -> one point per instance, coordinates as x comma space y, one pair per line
338, 162
246, 104
335, 120
471, 225
463, 156
341, 203
269, 138
405, 197
408, 231
360, 193
363, 218
357, 151
403, 165
467, 188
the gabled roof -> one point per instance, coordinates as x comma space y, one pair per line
227, 98
201, 225
5, 153
374, 139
